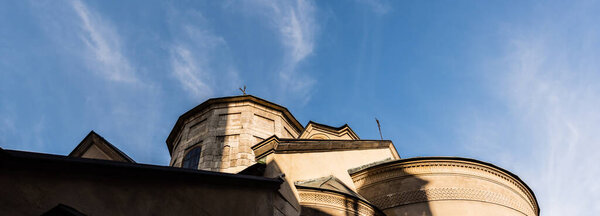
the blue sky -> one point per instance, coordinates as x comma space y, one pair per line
514, 83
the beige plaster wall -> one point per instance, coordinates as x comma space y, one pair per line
226, 132
305, 166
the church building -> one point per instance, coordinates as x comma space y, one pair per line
243, 155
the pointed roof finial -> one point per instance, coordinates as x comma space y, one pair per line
379, 127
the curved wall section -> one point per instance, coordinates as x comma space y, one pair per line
444, 186
324, 202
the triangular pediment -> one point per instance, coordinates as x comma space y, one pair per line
315, 130
328, 183
96, 147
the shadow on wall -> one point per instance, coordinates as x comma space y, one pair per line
386, 197
218, 134
207, 142
403, 194
285, 203
221, 154
412, 202
353, 206
227, 148
314, 212
399, 195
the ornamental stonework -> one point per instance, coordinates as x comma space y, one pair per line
329, 200
514, 194
437, 194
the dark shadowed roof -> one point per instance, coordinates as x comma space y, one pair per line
64, 164
327, 126
63, 210
196, 110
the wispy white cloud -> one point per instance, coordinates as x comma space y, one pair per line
199, 58
103, 46
380, 7
558, 101
193, 78
546, 129
121, 104
295, 23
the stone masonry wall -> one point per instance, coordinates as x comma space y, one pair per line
226, 131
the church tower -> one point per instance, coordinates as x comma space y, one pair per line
218, 134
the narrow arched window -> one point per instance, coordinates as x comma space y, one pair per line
192, 158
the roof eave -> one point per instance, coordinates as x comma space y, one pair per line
178, 125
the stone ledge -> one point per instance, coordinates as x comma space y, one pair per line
274, 144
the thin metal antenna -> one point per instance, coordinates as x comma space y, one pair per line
243, 90
379, 127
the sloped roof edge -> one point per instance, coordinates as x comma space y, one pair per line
130, 169
326, 126
86, 142
274, 144
331, 128
323, 182
178, 125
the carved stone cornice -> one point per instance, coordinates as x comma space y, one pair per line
437, 194
406, 168
339, 201
278, 145
335, 131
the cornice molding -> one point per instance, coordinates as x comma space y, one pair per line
178, 127
439, 194
310, 197
333, 131
274, 144
440, 165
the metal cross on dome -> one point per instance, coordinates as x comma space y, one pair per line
243, 90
